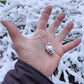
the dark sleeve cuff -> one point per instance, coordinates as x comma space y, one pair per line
25, 74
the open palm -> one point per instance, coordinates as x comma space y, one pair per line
32, 51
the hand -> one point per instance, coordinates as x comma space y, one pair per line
32, 51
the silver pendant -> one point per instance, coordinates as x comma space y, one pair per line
49, 48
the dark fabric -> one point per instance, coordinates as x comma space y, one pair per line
25, 74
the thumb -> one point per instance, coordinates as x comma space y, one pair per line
12, 30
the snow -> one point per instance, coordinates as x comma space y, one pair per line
25, 15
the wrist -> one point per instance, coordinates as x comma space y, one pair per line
39, 66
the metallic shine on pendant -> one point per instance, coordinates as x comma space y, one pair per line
49, 48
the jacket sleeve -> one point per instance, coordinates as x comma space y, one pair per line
25, 74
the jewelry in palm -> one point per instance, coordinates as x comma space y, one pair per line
48, 47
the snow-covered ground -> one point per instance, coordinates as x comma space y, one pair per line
25, 14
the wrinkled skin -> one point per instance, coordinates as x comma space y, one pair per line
32, 51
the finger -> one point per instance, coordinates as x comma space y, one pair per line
56, 23
44, 18
12, 30
71, 45
66, 30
